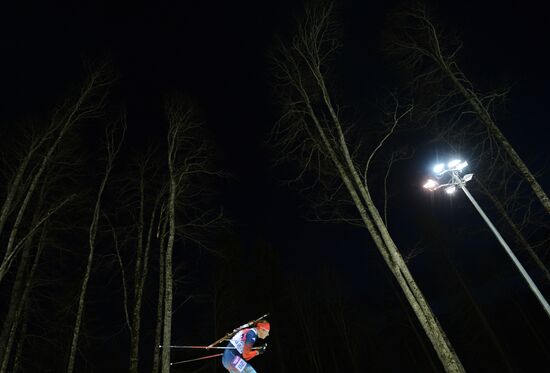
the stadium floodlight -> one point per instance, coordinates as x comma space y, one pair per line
452, 164
438, 168
431, 184
467, 177
456, 181
461, 166
450, 189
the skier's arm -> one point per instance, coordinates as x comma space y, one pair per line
248, 353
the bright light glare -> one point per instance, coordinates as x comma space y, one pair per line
450, 189
438, 168
467, 177
462, 165
453, 163
430, 184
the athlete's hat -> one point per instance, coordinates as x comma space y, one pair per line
263, 325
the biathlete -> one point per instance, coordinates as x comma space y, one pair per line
235, 358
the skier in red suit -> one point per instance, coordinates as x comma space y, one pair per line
235, 358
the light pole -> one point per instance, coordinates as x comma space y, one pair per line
454, 169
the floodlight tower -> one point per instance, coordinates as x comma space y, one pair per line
454, 169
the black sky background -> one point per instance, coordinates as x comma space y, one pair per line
216, 52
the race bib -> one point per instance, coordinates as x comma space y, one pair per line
238, 363
239, 344
239, 339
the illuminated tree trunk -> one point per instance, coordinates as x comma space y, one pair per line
140, 272
486, 119
18, 302
112, 150
171, 216
188, 160
313, 125
11, 320
160, 302
15, 185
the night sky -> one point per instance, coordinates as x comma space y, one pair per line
217, 53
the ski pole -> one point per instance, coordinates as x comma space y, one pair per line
205, 347
198, 347
199, 358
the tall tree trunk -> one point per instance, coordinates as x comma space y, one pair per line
486, 119
11, 320
23, 278
449, 68
8, 259
315, 127
112, 150
21, 342
20, 312
382, 238
15, 186
140, 277
160, 302
79, 110
168, 279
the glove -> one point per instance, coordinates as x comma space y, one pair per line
262, 349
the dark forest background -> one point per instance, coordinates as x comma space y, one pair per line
164, 180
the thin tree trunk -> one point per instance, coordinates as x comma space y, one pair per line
140, 277
168, 279
21, 342
75, 113
112, 151
417, 333
84, 286
11, 320
135, 320
160, 303
447, 64
14, 187
486, 119
6, 263
21, 302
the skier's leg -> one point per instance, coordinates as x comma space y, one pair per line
227, 360
249, 369
236, 364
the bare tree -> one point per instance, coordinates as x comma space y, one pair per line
422, 40
26, 265
188, 160
41, 151
454, 110
140, 274
141, 195
112, 147
35, 190
311, 131
161, 233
